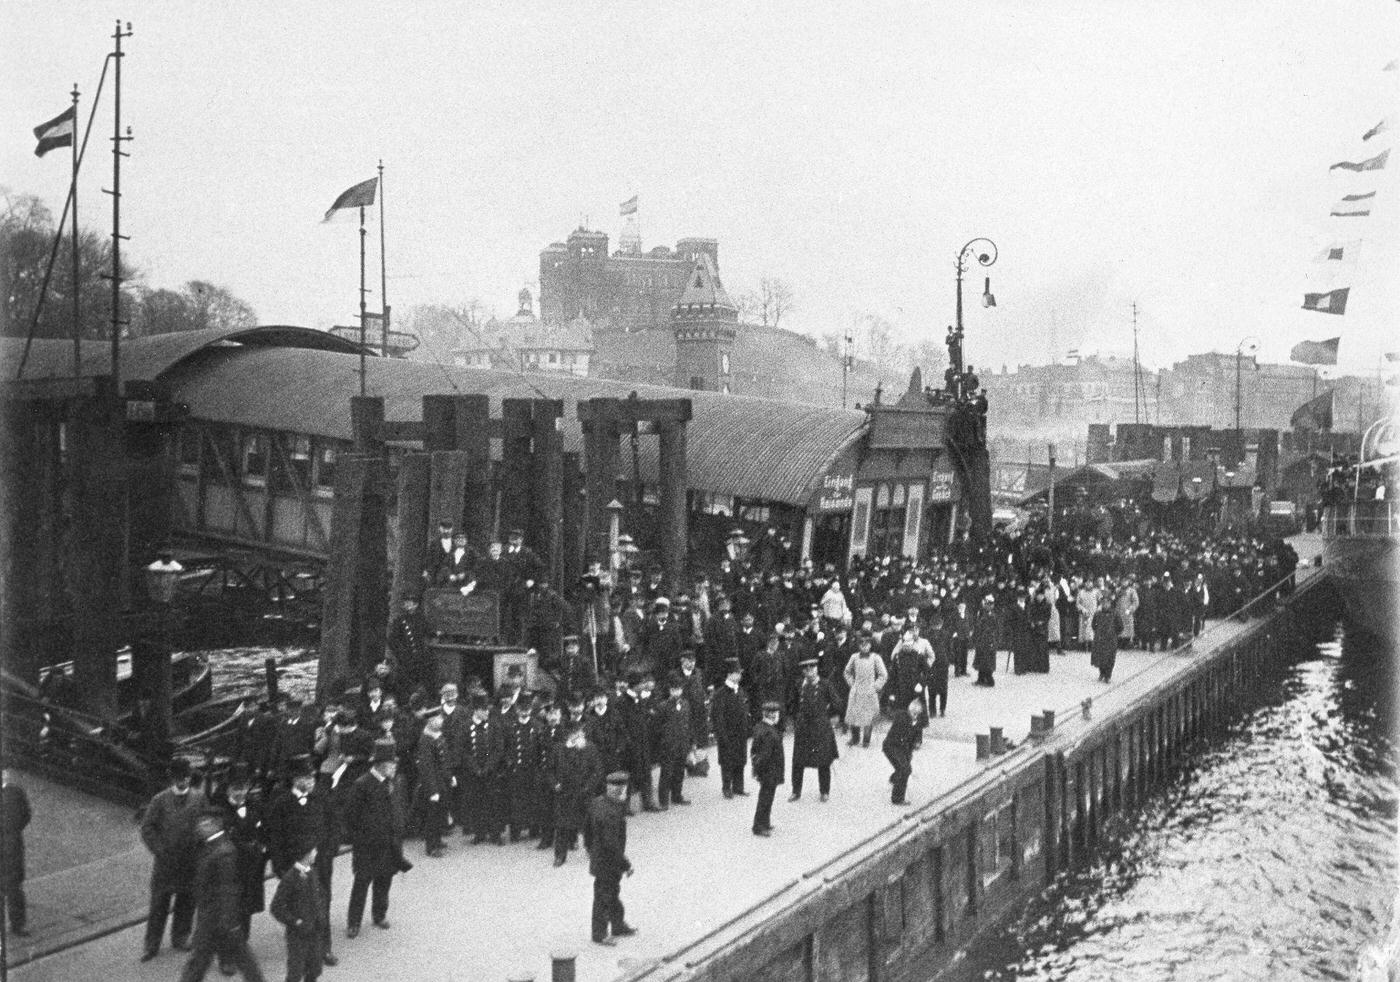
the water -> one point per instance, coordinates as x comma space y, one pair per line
1273, 857
238, 671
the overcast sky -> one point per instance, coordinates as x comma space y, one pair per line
1170, 153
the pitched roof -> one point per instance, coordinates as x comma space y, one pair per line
703, 287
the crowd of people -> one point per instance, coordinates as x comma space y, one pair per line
648, 677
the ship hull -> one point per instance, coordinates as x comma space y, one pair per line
1366, 571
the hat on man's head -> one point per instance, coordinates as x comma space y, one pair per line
807, 663
772, 706
661, 603
517, 533
570, 639
618, 777
179, 769
731, 665
384, 752
301, 766
480, 701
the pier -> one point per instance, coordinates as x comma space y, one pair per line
851, 888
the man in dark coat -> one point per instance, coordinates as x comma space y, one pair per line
257, 743
218, 898
483, 750
523, 569
936, 672
814, 739
549, 732
14, 818
296, 738
301, 909
730, 712
635, 711
1018, 635
767, 678
408, 644
693, 688
959, 636
899, 748
434, 785
607, 731
675, 740
605, 836
749, 642
455, 720
574, 673
296, 818
661, 641
374, 823
768, 765
721, 640
520, 768
439, 556
167, 830
577, 771
984, 643
1104, 649
242, 808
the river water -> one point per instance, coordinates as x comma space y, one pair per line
1271, 857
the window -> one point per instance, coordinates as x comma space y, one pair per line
697, 383
724, 363
553, 358
325, 466
887, 523
291, 471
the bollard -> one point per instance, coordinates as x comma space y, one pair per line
1087, 706
998, 741
984, 746
562, 965
1049, 716
1037, 727
521, 978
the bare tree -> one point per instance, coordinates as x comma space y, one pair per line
768, 304
443, 328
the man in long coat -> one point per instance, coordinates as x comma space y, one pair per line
1106, 626
374, 824
730, 712
576, 769
167, 830
296, 818
814, 739
218, 897
14, 818
984, 643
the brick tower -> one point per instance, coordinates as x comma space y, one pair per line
705, 320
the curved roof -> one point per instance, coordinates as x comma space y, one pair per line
148, 357
742, 446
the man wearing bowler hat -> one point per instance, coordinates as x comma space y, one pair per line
768, 765
167, 829
605, 837
374, 823
730, 710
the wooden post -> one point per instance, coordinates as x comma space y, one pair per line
516, 490
413, 484
372, 575
602, 457
338, 604
366, 424
572, 541
473, 421
674, 525
547, 480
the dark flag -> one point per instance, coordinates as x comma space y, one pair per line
1378, 129
1334, 302
57, 132
1315, 414
1316, 352
359, 196
1354, 205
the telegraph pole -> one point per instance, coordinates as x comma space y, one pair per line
117, 154
383, 275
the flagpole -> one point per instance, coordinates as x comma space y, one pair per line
383, 274
77, 300
116, 192
362, 300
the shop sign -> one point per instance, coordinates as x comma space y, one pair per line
940, 487
836, 494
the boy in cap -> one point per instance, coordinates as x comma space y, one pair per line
300, 908
899, 748
605, 837
768, 765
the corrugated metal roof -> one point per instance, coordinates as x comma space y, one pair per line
736, 445
147, 357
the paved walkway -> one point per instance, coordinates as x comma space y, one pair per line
486, 913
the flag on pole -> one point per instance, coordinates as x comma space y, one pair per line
1381, 127
1316, 352
1354, 205
1315, 414
1375, 163
57, 132
628, 207
359, 196
1339, 252
1333, 302
1392, 356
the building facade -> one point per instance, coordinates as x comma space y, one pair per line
526, 343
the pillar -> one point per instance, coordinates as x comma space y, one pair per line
411, 559
572, 507
547, 484
366, 424
515, 485
674, 525
602, 458
472, 416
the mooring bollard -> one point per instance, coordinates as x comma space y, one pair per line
984, 746
1049, 717
998, 741
1088, 708
562, 965
1037, 727
521, 978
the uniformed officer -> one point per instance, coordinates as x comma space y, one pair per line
768, 765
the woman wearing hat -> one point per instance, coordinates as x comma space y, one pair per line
865, 674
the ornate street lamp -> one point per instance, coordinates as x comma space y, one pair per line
986, 255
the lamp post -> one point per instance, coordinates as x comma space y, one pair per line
955, 336
1250, 345
162, 579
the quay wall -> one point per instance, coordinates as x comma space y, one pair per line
902, 905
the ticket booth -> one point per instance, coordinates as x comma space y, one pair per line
466, 642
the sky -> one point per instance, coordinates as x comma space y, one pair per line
1172, 154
